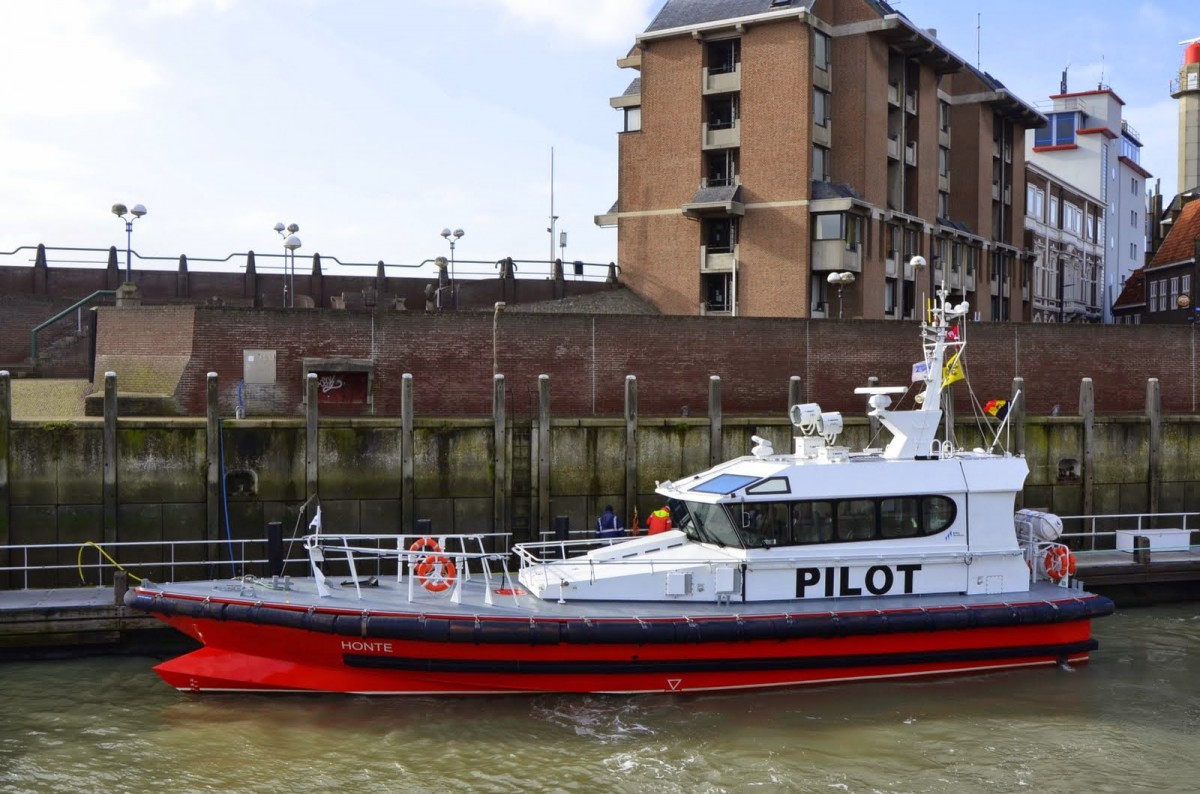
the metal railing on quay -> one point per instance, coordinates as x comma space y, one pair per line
54, 565
1106, 532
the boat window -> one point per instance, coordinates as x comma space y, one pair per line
709, 523
764, 524
812, 522
856, 519
900, 517
724, 483
939, 513
770, 485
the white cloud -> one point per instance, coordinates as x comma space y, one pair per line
65, 63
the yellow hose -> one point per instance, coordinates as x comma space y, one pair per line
79, 561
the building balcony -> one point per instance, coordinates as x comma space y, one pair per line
721, 82
894, 147
831, 255
1008, 194
722, 136
995, 191
910, 101
894, 94
944, 183
910, 153
718, 260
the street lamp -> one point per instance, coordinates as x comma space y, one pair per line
120, 211
452, 237
290, 243
841, 280
917, 263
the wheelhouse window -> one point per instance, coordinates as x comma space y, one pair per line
797, 523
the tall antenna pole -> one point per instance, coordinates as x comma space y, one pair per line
553, 217
978, 28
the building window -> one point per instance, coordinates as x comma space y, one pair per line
889, 297
944, 115
820, 107
819, 290
723, 56
1035, 202
821, 51
892, 241
633, 119
1059, 132
1053, 220
827, 226
1133, 250
1091, 227
718, 289
722, 111
721, 168
1153, 302
943, 161
1072, 218
1133, 187
854, 232
943, 204
820, 166
1133, 218
720, 235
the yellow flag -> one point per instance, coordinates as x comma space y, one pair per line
952, 372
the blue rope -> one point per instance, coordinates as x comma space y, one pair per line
225, 497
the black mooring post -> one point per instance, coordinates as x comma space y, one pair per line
274, 548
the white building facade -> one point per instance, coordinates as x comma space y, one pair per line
1087, 145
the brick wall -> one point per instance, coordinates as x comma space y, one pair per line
587, 358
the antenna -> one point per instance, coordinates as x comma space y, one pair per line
978, 28
553, 217
1101, 86
1190, 41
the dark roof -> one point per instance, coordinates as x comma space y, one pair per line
833, 190
633, 88
1133, 294
685, 13
1180, 244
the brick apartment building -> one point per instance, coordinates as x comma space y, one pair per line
771, 143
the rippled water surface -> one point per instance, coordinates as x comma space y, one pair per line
1129, 720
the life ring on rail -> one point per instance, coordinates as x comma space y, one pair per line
1059, 562
425, 544
436, 573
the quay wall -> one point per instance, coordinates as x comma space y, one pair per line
452, 357
209, 480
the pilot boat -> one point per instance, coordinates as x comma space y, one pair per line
806, 566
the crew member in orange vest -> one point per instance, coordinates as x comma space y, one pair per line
659, 521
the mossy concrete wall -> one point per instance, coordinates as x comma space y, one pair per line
53, 493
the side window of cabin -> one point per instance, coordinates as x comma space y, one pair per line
939, 513
812, 522
900, 517
765, 524
856, 519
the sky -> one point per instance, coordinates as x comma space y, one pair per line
374, 124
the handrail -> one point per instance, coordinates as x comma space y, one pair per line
33, 345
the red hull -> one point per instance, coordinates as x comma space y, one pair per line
248, 657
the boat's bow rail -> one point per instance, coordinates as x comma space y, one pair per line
435, 563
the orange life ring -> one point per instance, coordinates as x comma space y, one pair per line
425, 544
436, 573
1059, 562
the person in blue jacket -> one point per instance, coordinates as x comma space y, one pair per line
609, 524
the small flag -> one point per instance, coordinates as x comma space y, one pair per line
997, 408
952, 372
315, 524
952, 333
919, 370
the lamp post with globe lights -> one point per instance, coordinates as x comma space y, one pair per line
290, 243
121, 211
840, 280
453, 237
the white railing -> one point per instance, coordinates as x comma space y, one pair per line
1089, 531
180, 560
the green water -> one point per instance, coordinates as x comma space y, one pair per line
1129, 720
